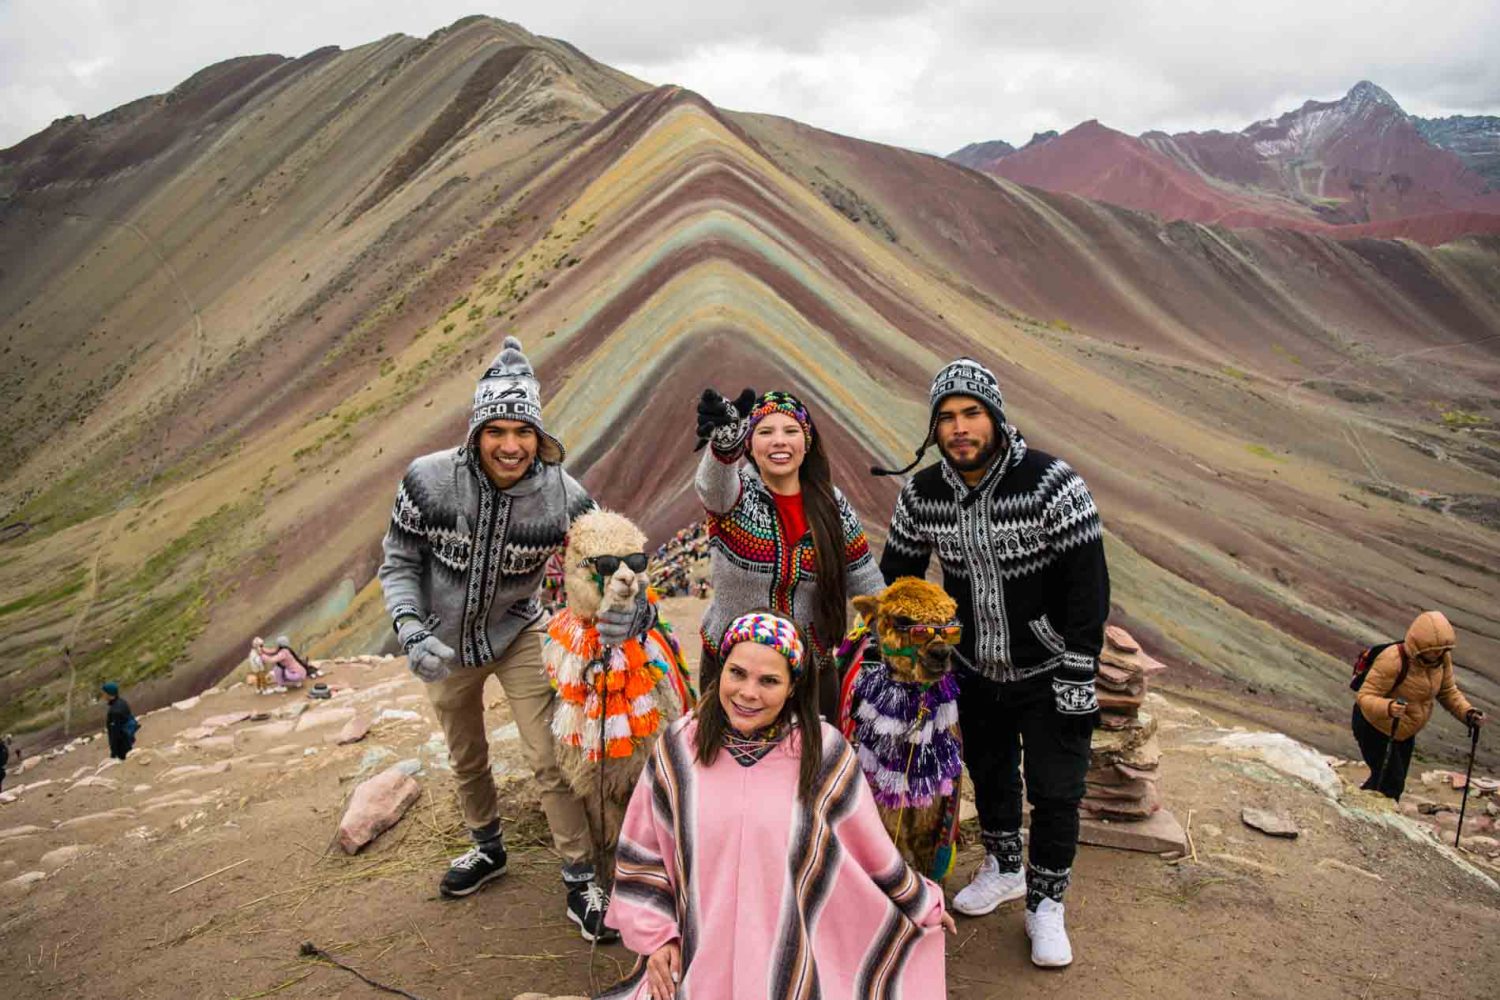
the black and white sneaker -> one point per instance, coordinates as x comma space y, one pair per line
469, 871
586, 906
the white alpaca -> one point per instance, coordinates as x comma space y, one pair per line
634, 691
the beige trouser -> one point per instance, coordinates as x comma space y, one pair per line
459, 701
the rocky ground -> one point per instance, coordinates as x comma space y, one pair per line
199, 867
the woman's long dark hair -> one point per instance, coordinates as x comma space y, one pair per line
830, 614
801, 708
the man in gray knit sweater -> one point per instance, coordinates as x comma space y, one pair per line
470, 535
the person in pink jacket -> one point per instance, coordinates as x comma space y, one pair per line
286, 670
752, 861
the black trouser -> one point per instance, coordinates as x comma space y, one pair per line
120, 744
1011, 729
1372, 746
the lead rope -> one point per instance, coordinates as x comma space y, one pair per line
910, 754
601, 672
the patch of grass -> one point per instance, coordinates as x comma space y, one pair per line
1235, 373
1456, 420
1261, 451
51, 595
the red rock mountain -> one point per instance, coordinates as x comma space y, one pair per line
1358, 162
231, 315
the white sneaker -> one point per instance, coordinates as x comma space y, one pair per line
1049, 938
989, 888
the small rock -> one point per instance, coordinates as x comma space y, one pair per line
376, 806
107, 763
138, 789
1272, 824
85, 769
1433, 808
1486, 786
1480, 844
93, 781
398, 715
6, 798
217, 744
1343, 866
1250, 863
195, 734
56, 858
1436, 777
21, 884
506, 733
1458, 781
411, 766
324, 717
124, 812
355, 730
186, 703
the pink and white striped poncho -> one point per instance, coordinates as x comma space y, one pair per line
771, 899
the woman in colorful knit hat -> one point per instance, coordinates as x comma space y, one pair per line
749, 784
779, 531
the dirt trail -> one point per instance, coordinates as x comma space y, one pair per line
1252, 917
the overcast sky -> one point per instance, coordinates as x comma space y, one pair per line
932, 75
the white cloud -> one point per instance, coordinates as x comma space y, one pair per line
931, 75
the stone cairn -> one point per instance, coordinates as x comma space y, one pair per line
1122, 782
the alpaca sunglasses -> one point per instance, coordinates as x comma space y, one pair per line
606, 566
948, 632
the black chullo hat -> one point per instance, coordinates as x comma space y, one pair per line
961, 377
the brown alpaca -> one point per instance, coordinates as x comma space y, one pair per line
578, 666
899, 709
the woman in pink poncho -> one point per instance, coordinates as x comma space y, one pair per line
752, 862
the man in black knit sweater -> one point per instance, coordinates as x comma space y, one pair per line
1021, 547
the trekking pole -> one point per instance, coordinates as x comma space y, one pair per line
1390, 745
1468, 778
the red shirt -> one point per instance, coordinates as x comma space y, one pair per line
791, 515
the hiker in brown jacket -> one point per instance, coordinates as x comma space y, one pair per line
1419, 670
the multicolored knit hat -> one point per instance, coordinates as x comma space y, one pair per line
781, 402
766, 630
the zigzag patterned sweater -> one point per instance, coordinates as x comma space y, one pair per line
753, 565
471, 556
1023, 555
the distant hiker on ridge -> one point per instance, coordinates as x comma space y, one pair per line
1022, 552
120, 724
1395, 700
4, 758
778, 528
468, 543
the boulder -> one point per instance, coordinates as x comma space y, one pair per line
376, 806
1272, 824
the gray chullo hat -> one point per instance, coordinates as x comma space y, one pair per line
960, 377
509, 390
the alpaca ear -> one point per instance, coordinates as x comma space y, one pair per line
867, 607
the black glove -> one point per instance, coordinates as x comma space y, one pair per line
723, 422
